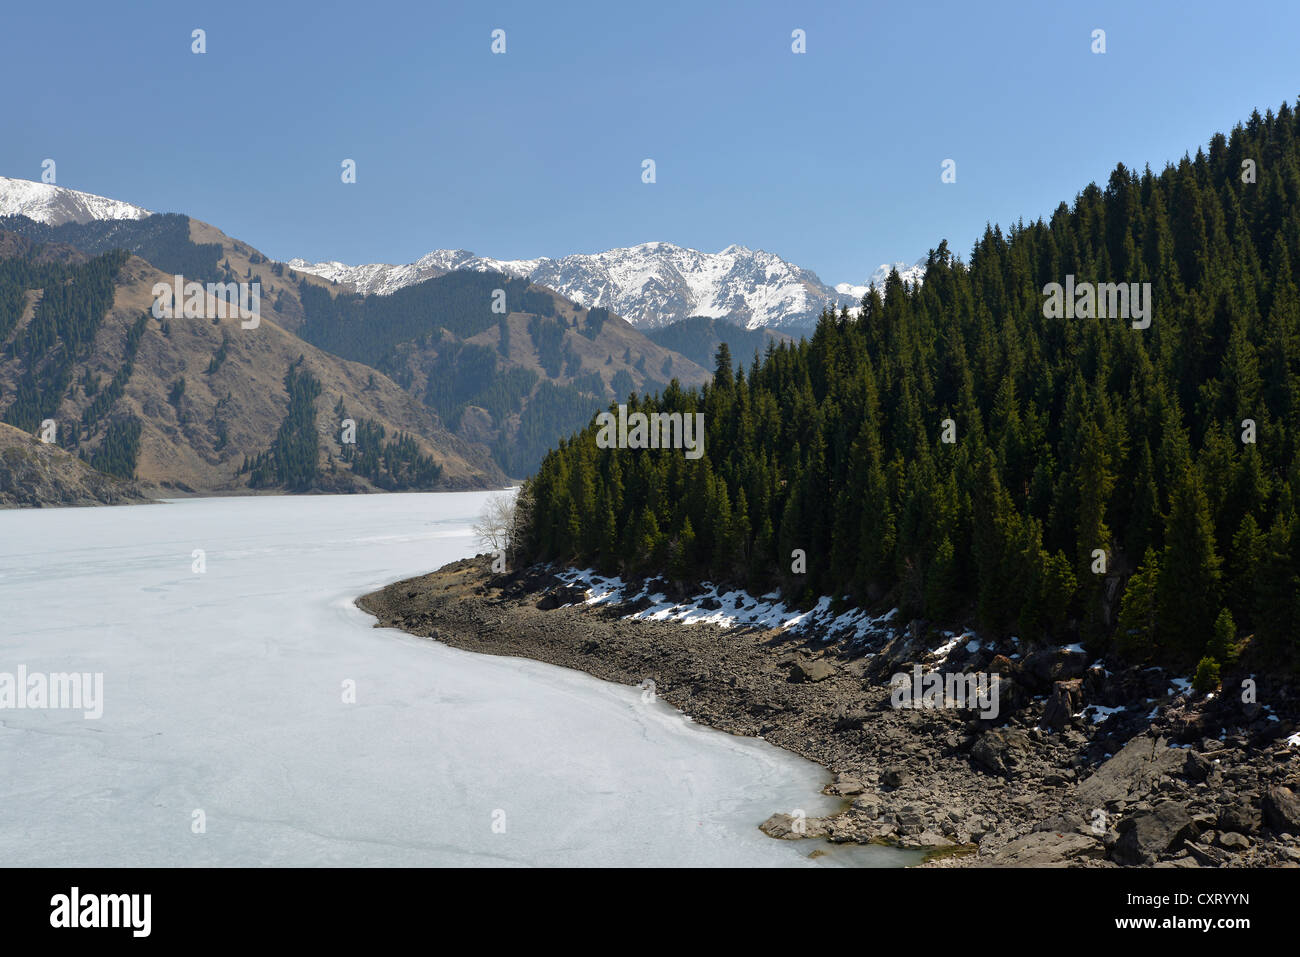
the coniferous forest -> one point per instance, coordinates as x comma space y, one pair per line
291, 461
955, 453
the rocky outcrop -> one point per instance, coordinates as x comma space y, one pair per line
1065, 702
1282, 810
1136, 771
1049, 849
1147, 835
1001, 752
35, 474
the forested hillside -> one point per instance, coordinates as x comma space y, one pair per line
162, 239
65, 320
1103, 482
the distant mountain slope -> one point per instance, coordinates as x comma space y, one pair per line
518, 405
698, 339
382, 279
179, 245
516, 380
650, 285
184, 404
513, 383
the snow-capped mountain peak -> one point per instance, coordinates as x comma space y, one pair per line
56, 205
650, 284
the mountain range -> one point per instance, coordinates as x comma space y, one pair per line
454, 389
650, 285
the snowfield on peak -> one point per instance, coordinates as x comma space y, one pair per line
56, 205
383, 279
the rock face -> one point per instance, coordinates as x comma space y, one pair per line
1146, 835
1239, 815
788, 827
34, 474
815, 670
1049, 849
1282, 810
1131, 774
1042, 668
561, 595
1000, 752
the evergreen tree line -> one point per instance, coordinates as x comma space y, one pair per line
163, 240
955, 452
292, 461
548, 340
118, 451
74, 300
103, 401
396, 465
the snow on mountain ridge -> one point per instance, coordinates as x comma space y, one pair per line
650, 284
56, 205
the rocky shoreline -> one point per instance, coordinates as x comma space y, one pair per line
1180, 780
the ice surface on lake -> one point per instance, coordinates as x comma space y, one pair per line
223, 694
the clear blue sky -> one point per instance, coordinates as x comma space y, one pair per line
830, 159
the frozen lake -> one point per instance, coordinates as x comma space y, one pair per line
226, 738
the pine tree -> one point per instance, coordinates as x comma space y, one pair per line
1190, 575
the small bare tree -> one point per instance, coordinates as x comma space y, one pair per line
502, 522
